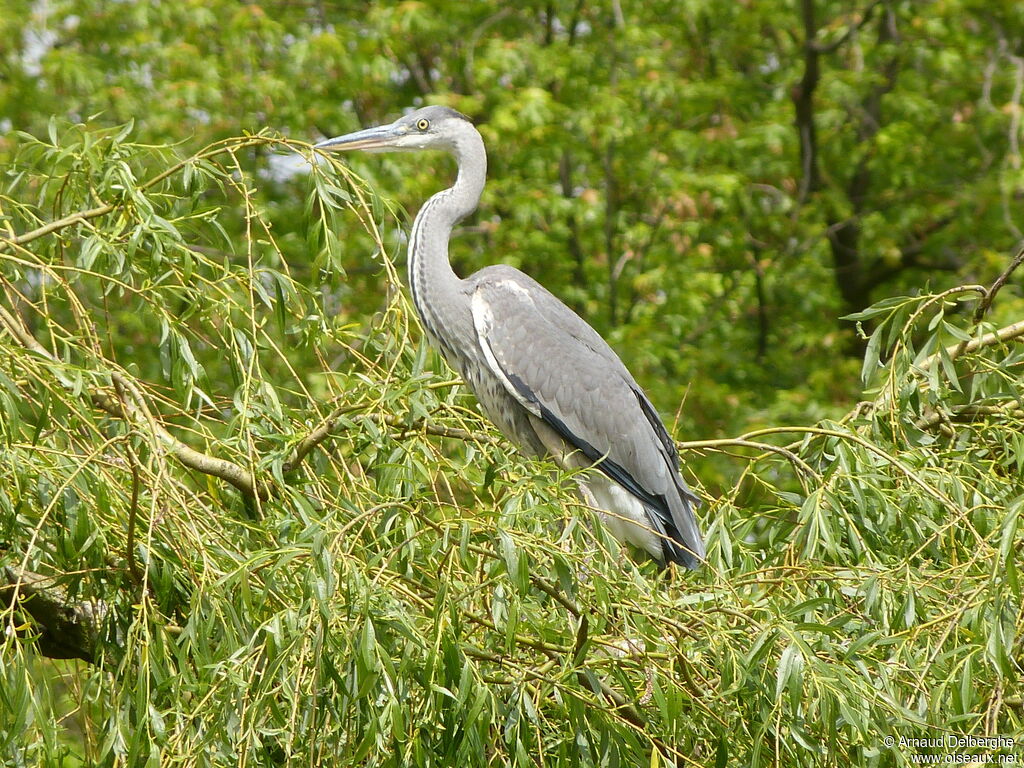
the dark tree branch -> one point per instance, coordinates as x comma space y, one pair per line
642, 251
710, 320
802, 95
334, 421
844, 231
415, 67
990, 294
920, 240
880, 272
565, 170
762, 307
574, 21
65, 628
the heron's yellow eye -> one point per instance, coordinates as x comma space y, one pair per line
422, 124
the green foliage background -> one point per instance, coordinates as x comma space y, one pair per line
185, 300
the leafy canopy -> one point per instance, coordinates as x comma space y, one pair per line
269, 527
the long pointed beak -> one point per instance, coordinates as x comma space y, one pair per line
378, 139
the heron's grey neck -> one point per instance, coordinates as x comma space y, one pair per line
435, 288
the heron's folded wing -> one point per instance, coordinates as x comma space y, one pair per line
564, 373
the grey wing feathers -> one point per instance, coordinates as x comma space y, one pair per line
562, 371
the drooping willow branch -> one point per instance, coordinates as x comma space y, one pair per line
1000, 336
952, 352
130, 404
766, 448
988, 295
970, 412
80, 217
837, 434
132, 408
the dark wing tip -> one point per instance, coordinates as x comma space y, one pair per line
680, 555
682, 547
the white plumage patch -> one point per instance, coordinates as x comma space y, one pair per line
623, 514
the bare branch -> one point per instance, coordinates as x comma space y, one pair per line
990, 294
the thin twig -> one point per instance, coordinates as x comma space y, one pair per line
855, 438
987, 298
1007, 333
861, 20
953, 351
133, 514
969, 412
740, 442
990, 294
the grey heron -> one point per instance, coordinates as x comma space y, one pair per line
545, 378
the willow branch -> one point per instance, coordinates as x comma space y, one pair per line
853, 438
1007, 333
990, 294
80, 217
740, 442
133, 409
333, 422
988, 297
953, 351
133, 515
439, 430
317, 436
969, 412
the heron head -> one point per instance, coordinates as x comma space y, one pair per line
427, 128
